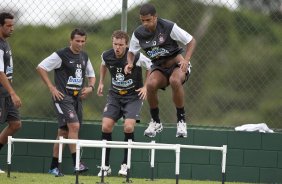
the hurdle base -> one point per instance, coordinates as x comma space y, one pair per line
9, 170
223, 178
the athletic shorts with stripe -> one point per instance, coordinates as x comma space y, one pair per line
69, 110
119, 106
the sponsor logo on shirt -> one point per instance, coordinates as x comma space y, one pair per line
157, 52
119, 81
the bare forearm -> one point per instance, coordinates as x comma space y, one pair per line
6, 83
91, 81
190, 49
103, 71
44, 76
130, 58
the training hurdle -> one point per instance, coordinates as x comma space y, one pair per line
119, 144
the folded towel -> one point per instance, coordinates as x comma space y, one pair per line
260, 127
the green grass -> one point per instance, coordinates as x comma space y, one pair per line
31, 178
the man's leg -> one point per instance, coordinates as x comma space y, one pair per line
155, 81
128, 134
55, 163
11, 129
73, 131
176, 80
107, 128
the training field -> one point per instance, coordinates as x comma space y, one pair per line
30, 178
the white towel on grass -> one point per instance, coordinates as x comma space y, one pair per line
260, 127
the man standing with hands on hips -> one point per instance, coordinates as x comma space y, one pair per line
71, 67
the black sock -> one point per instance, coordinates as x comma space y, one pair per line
54, 163
155, 115
73, 156
127, 136
1, 146
108, 137
180, 112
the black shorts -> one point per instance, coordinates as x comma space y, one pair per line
69, 110
127, 107
168, 71
8, 112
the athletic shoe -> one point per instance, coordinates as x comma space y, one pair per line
107, 171
153, 129
82, 168
123, 170
2, 172
181, 129
56, 172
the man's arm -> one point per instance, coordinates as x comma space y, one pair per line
88, 89
57, 95
103, 71
6, 84
134, 48
190, 47
130, 59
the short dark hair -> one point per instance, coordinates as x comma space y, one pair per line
77, 31
3, 16
147, 9
120, 35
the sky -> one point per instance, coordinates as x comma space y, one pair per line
54, 12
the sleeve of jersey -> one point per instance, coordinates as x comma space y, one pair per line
180, 35
51, 62
1, 61
89, 69
102, 58
144, 61
134, 45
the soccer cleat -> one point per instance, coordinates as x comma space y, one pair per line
107, 171
181, 129
82, 168
2, 172
56, 172
123, 170
153, 129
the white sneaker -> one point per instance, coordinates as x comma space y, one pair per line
2, 172
153, 129
181, 129
107, 171
123, 170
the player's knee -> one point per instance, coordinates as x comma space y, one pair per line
15, 125
73, 127
107, 128
175, 82
128, 129
151, 86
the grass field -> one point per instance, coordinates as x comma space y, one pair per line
31, 178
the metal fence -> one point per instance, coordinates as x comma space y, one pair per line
236, 75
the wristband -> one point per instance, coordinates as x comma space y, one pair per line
92, 87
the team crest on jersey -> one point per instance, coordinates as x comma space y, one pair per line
161, 38
77, 80
119, 80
